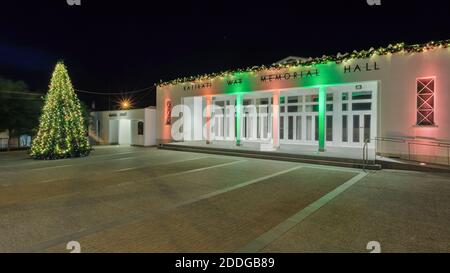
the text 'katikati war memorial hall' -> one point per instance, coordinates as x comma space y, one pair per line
395, 100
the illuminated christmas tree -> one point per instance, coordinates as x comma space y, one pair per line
62, 132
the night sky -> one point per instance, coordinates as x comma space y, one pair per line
118, 46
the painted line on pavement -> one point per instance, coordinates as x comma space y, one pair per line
123, 158
202, 169
127, 169
165, 163
276, 232
52, 167
241, 185
31, 183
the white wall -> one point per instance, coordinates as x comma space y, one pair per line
121, 127
124, 132
150, 127
113, 128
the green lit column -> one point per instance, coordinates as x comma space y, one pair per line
322, 110
238, 118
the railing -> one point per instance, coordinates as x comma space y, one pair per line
366, 154
410, 142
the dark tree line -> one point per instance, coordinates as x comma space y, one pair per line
19, 108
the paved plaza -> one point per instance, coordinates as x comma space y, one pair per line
131, 199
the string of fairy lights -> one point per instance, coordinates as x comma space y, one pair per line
338, 58
115, 93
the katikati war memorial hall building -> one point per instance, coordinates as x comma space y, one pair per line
390, 100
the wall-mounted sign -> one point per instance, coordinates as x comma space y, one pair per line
234, 82
168, 112
290, 75
361, 67
197, 86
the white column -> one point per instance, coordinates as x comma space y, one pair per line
276, 119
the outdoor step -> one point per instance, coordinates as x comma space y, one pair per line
338, 162
412, 166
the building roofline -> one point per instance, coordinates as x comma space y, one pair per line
338, 58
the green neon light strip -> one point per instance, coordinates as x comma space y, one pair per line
238, 118
322, 109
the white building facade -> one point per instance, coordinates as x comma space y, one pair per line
124, 127
393, 101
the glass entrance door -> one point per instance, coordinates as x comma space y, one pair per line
357, 115
361, 124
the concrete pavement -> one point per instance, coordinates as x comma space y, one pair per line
128, 199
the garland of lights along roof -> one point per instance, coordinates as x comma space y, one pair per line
339, 58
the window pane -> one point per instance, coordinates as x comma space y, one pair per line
292, 109
362, 95
298, 133
311, 98
367, 127
258, 125
329, 97
99, 128
345, 96
344, 129
281, 127
425, 101
293, 99
356, 128
329, 107
245, 126
361, 106
265, 127
329, 124
316, 128
309, 128
290, 127
345, 107
282, 99
140, 128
